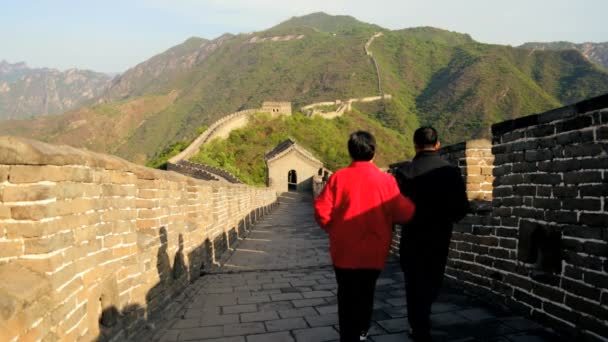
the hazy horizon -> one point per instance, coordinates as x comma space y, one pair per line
113, 36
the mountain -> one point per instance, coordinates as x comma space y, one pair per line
595, 52
152, 75
435, 77
26, 92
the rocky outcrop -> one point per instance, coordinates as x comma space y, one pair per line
26, 92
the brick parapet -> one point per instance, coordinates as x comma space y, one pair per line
85, 236
543, 247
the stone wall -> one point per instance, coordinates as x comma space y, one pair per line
91, 245
543, 248
219, 129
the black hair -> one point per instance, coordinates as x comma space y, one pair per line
425, 137
362, 146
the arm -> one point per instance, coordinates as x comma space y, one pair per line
402, 208
460, 200
324, 204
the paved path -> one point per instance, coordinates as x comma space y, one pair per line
278, 285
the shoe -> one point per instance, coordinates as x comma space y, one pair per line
363, 336
420, 337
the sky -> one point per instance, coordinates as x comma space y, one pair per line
114, 35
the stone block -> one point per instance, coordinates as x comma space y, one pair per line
594, 220
592, 308
575, 123
42, 265
19, 286
581, 289
48, 244
243, 329
320, 334
26, 193
34, 173
11, 248
4, 171
33, 212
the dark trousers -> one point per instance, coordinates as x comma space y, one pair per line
355, 301
423, 264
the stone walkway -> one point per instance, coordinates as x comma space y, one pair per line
278, 285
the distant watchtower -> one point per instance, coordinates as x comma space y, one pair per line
277, 108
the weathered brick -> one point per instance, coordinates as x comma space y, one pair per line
565, 217
575, 123
578, 260
48, 244
541, 131
528, 213
526, 298
596, 248
512, 201
594, 163
34, 173
574, 245
573, 272
547, 203
602, 133
588, 150
5, 211
589, 307
561, 312
4, 170
11, 248
33, 212
598, 280
581, 289
538, 155
502, 211
524, 190
565, 191
542, 178
560, 165
501, 170
513, 179
583, 177
582, 204
593, 190
499, 253
554, 294
594, 220
570, 138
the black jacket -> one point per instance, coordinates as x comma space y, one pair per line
439, 192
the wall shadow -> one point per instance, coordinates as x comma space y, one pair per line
132, 321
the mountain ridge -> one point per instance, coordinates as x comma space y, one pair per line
436, 77
595, 52
26, 92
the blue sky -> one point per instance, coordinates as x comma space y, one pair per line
113, 35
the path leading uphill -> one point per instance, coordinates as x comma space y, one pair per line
278, 285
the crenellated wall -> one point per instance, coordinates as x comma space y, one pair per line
542, 245
537, 237
91, 245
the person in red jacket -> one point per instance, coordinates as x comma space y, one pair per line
358, 207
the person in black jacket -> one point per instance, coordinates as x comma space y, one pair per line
438, 191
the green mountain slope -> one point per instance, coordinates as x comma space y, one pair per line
324, 138
435, 77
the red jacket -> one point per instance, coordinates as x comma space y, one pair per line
358, 208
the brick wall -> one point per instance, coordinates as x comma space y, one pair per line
91, 245
543, 246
